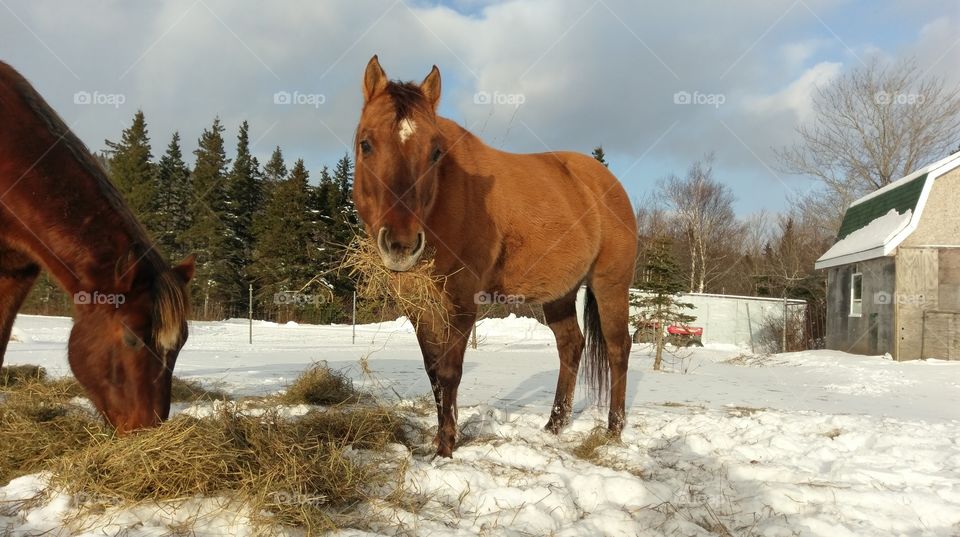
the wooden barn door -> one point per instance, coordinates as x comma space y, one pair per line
916, 291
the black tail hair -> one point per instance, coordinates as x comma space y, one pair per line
596, 368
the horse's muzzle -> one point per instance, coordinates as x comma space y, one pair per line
399, 256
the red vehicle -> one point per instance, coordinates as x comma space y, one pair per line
677, 334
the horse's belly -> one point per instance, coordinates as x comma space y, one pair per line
542, 279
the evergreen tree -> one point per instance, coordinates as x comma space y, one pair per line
286, 256
600, 155
209, 236
172, 200
131, 169
659, 298
342, 210
245, 196
275, 170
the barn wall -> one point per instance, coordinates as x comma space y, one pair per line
940, 220
873, 332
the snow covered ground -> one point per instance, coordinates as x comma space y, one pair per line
725, 443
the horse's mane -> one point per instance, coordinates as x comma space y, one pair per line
170, 302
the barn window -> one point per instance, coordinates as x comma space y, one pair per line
856, 292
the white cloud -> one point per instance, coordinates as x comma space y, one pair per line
795, 97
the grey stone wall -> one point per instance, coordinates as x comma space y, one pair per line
874, 331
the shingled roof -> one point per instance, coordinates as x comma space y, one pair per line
877, 223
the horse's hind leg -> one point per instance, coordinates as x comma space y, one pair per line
612, 292
17, 275
561, 316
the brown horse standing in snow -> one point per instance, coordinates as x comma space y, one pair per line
60, 213
536, 226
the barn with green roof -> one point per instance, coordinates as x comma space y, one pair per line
893, 276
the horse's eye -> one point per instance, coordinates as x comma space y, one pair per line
435, 156
365, 147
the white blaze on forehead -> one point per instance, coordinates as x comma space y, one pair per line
407, 127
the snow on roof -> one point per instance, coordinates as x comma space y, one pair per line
869, 240
877, 223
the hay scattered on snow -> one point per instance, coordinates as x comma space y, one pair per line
38, 423
418, 292
320, 385
303, 471
288, 471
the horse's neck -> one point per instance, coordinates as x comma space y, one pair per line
58, 205
75, 232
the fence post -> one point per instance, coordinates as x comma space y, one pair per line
783, 345
250, 311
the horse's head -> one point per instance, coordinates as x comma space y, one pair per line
399, 149
125, 342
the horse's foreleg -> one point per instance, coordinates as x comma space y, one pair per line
561, 316
16, 278
432, 353
449, 372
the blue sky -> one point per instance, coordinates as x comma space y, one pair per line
589, 72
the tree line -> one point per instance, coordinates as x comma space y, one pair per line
269, 226
265, 225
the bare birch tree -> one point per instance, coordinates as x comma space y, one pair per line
872, 126
703, 214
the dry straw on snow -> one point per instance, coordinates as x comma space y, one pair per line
418, 292
305, 471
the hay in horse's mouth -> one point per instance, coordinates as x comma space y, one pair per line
417, 292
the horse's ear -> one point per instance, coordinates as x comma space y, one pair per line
374, 79
185, 268
431, 87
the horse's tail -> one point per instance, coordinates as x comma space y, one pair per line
596, 368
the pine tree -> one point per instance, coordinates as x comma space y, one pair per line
131, 169
659, 298
208, 236
286, 256
172, 200
275, 170
343, 212
245, 193
600, 155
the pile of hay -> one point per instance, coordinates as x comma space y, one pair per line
320, 385
301, 471
38, 424
14, 375
192, 391
417, 293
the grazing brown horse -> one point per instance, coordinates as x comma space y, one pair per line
532, 226
60, 213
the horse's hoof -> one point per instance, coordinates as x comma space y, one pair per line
553, 428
